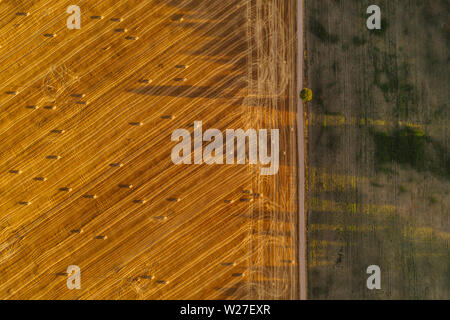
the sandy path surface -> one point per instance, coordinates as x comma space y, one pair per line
302, 159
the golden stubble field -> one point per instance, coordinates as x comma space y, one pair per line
86, 176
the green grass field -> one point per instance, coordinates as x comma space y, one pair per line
378, 152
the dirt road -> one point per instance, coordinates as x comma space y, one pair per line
302, 243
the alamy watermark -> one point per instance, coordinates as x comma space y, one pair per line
235, 147
74, 20
374, 20
374, 281
74, 277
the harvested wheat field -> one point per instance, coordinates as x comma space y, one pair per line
86, 176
